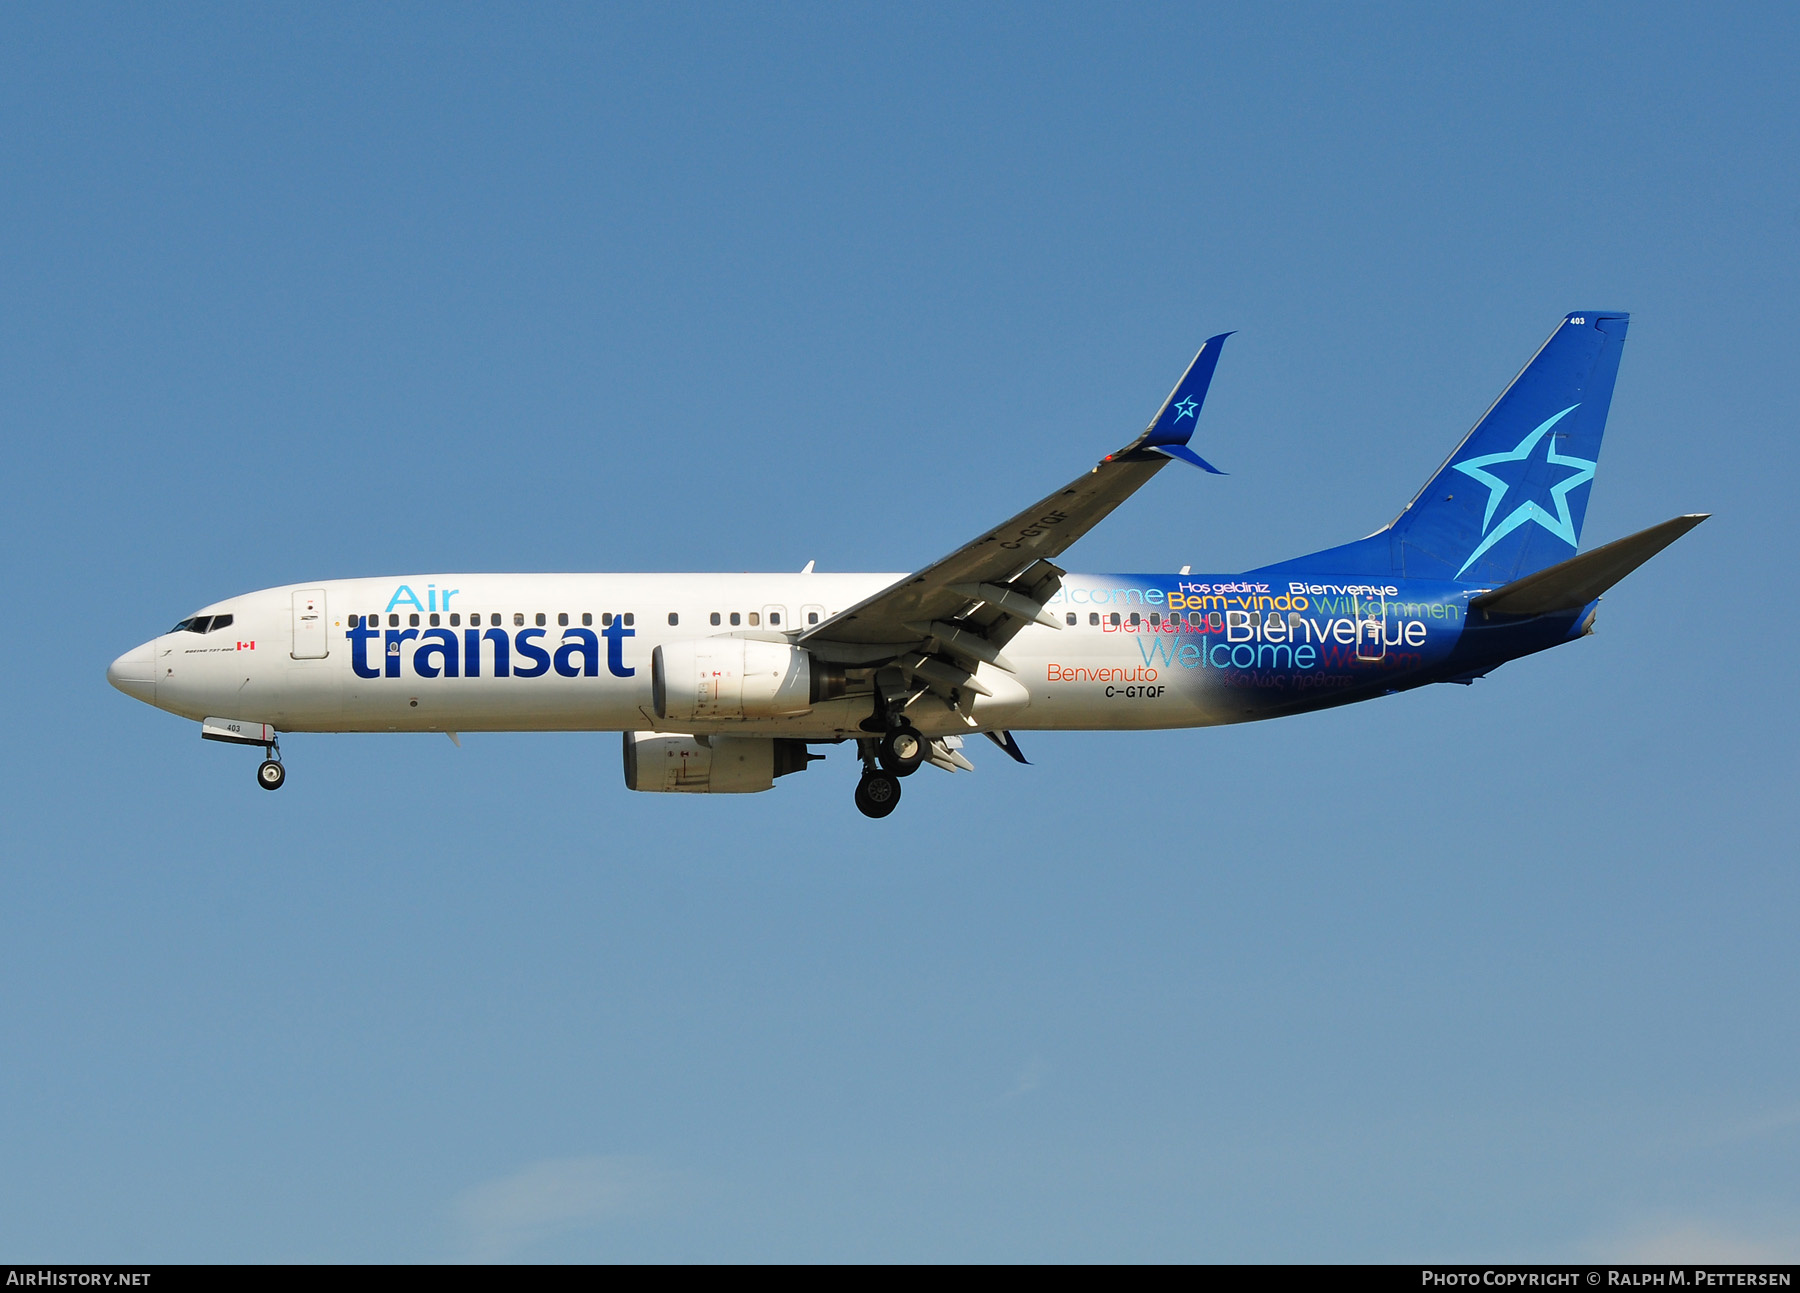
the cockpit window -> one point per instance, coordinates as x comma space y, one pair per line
202, 624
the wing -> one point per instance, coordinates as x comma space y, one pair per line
944, 621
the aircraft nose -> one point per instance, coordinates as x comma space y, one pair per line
134, 673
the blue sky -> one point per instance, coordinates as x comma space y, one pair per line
1484, 973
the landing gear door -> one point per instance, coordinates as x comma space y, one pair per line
1371, 626
310, 641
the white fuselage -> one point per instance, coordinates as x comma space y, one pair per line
561, 652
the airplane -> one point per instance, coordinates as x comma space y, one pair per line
723, 683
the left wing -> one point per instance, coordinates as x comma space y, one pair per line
956, 614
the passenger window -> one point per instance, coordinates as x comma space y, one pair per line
518, 619
1134, 621
1093, 617
475, 619
1155, 618
630, 619
735, 621
455, 619
434, 619
715, 618
413, 620
774, 619
587, 618
755, 619
1194, 618
393, 620
1215, 621
674, 619
812, 617
605, 619
1115, 619
540, 619
1070, 617
562, 619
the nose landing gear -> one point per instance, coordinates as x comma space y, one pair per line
240, 731
270, 775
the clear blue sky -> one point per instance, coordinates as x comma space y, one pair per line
290, 293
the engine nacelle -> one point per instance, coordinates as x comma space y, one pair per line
725, 765
707, 679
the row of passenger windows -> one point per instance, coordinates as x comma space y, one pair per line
755, 618
518, 619
496, 620
202, 624
1197, 619
213, 623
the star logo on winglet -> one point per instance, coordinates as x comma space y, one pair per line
1185, 409
1508, 473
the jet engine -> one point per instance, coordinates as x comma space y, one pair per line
725, 677
723, 765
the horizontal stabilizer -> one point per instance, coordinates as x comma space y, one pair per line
1579, 580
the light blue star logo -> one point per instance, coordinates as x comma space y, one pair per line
1516, 463
1185, 409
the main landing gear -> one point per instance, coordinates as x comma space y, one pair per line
901, 751
896, 754
893, 750
878, 793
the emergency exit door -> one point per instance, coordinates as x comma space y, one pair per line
310, 640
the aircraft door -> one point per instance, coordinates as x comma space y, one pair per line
310, 641
775, 617
1371, 627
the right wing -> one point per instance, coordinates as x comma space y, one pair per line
941, 623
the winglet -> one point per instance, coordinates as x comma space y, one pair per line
1173, 425
1186, 454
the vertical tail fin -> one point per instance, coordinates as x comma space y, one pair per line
1511, 498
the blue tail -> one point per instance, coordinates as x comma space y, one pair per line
1512, 497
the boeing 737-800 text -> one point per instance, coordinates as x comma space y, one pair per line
723, 683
